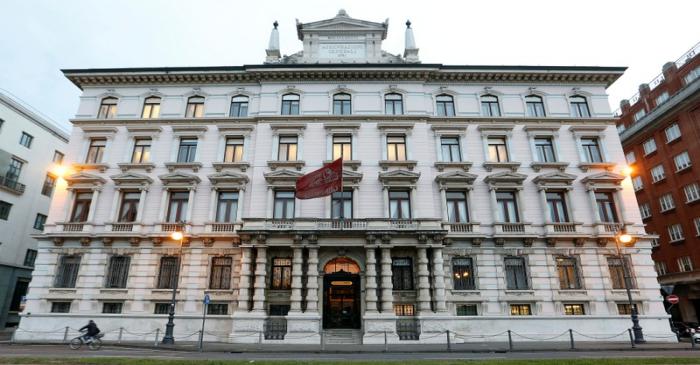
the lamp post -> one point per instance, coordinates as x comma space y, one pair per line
636, 328
168, 339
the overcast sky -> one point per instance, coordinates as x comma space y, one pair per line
41, 37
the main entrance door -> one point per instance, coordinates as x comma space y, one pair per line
341, 294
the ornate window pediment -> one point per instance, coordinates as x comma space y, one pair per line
179, 179
505, 179
351, 178
455, 179
602, 179
84, 178
282, 178
397, 178
131, 178
229, 179
554, 179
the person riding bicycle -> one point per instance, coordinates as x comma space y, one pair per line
91, 331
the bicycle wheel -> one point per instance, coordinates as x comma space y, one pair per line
95, 345
76, 343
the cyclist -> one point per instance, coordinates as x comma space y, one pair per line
91, 331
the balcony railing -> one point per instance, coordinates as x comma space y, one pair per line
122, 227
280, 224
340, 224
408, 329
172, 227
73, 227
223, 227
512, 227
564, 227
400, 224
275, 328
468, 227
12, 185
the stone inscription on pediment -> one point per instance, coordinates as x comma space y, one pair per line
341, 50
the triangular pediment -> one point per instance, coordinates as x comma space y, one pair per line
351, 177
84, 178
282, 175
603, 177
341, 22
505, 177
179, 177
131, 177
228, 177
399, 177
456, 176
554, 177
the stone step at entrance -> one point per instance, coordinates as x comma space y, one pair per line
342, 337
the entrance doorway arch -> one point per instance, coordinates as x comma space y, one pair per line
341, 294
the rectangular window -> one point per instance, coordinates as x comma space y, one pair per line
67, 271
655, 240
682, 161
342, 147
81, 206
30, 258
489, 106
5, 208
169, 272
662, 98
393, 104
60, 307
658, 173
574, 310
290, 104
591, 149
516, 273
402, 273
661, 268
13, 172
645, 210
227, 207
287, 148
96, 150
142, 150
556, 203
618, 268
631, 157
675, 232
666, 202
341, 104
217, 309
625, 309
399, 204
108, 108
187, 150
39, 221
606, 207
58, 157
457, 211
507, 207
466, 310
112, 308
450, 149
639, 115
239, 106
177, 206
673, 132
49, 184
117, 271
579, 107
696, 222
220, 277
692, 75
396, 148
567, 268
341, 205
649, 146
234, 149
281, 273
497, 149
404, 310
279, 309
684, 264
284, 205
161, 308
637, 183
129, 208
463, 273
26, 140
544, 146
520, 310
19, 292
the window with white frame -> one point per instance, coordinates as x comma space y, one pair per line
673, 132
497, 149
108, 108
591, 149
684, 264
655, 240
630, 157
661, 268
675, 232
658, 173
287, 149
544, 146
489, 106
195, 107
450, 149
535, 106
649, 146
445, 105
290, 104
662, 98
579, 107
667, 203
645, 210
696, 222
639, 115
692, 75
682, 161
637, 183
692, 192
233, 152
151, 108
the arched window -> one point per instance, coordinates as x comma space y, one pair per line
108, 108
393, 104
195, 107
579, 107
341, 104
445, 105
489, 106
151, 107
239, 106
535, 106
341, 264
290, 104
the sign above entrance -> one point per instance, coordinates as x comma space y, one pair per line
341, 283
341, 50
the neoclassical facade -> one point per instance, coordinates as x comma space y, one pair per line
476, 199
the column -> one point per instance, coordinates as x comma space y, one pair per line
545, 207
494, 204
260, 272
142, 205
190, 205
295, 298
114, 211
594, 204
387, 285
620, 203
312, 281
439, 280
93, 204
423, 281
371, 281
443, 204
244, 282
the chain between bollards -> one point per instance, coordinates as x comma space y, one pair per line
121, 332
386, 343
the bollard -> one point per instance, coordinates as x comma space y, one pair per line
156, 341
12, 337
692, 342
65, 335
386, 344
323, 342
201, 341
571, 338
510, 341
449, 345
259, 337
121, 332
629, 330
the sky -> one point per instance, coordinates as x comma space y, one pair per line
41, 37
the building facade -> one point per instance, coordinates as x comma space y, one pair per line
29, 147
659, 129
475, 197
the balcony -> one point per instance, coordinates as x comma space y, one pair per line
73, 227
167, 227
608, 228
512, 229
12, 185
340, 224
122, 227
458, 229
369, 224
221, 227
561, 227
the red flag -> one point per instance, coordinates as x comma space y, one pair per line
322, 182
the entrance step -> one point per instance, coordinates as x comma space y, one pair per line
342, 337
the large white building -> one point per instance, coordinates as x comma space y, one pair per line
477, 199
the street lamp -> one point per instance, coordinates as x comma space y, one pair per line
626, 240
168, 339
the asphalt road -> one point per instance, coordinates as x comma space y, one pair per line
62, 351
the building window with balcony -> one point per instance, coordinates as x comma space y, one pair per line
402, 273
220, 276
544, 146
463, 273
239, 107
497, 149
637, 183
195, 107
227, 207
556, 203
666, 202
457, 211
450, 149
645, 210
662, 98
142, 150
49, 184
574, 309
684, 264
649, 146
177, 206
396, 148
26, 140
489, 106
393, 104
579, 107
129, 207
67, 271
81, 206
535, 106
661, 268
692, 192
234, 149
658, 173
13, 172
58, 157
591, 149
96, 150
342, 147
151, 108
682, 161
630, 157
168, 272
606, 207
5, 208
520, 310
117, 271
108, 108
639, 115
341, 205
281, 273
618, 267
39, 221
516, 273
187, 150
290, 104
507, 206
445, 105
284, 205
288, 146
675, 233
567, 267
399, 204
342, 104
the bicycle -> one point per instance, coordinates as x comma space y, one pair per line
95, 344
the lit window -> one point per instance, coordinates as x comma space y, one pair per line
290, 104
637, 183
675, 232
625, 309
342, 104
692, 192
662, 98
239, 106
520, 310
649, 146
685, 264
195, 107
142, 150
682, 161
579, 107
645, 210
535, 106
463, 273
151, 108
108, 108
639, 115
287, 149
574, 309
404, 310
497, 149
667, 203
661, 268
342, 147
673, 132
445, 106
26, 140
396, 148
393, 104
489, 106
96, 150
234, 149
658, 173
281, 273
